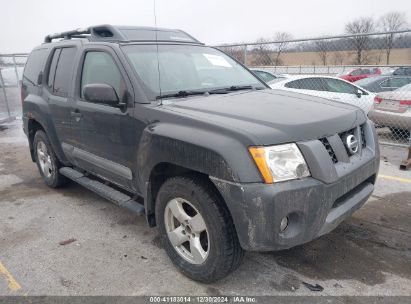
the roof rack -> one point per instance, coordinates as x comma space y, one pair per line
125, 34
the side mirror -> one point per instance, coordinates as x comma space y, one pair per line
359, 93
100, 93
40, 78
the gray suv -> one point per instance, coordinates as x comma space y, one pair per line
158, 123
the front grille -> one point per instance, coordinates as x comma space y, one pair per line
363, 140
349, 132
329, 149
357, 132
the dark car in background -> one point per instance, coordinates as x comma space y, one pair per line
402, 71
383, 83
360, 73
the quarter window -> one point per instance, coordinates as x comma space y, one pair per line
34, 65
100, 68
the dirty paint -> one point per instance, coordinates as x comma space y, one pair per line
12, 284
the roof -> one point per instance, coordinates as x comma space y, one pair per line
110, 33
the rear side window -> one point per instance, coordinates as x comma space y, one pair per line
52, 73
34, 65
64, 71
314, 84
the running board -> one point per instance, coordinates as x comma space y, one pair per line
109, 193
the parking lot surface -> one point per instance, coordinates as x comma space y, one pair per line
108, 251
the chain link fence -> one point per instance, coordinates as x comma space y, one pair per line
11, 72
371, 71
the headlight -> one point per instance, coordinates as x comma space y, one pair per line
280, 163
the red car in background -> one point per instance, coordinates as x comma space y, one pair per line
360, 73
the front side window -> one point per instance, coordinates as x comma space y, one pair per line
177, 68
100, 68
338, 86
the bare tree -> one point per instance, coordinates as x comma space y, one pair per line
393, 21
236, 52
322, 47
360, 42
338, 58
263, 52
282, 41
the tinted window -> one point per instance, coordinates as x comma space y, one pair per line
34, 65
356, 72
99, 67
338, 86
395, 82
64, 71
314, 84
52, 71
402, 71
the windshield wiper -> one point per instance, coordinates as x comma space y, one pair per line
181, 94
234, 88
185, 93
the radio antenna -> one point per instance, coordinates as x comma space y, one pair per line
158, 57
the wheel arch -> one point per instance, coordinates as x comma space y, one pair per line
162, 172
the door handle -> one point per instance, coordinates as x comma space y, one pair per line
76, 114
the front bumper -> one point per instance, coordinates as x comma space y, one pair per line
313, 208
314, 205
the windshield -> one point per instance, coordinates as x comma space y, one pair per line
185, 68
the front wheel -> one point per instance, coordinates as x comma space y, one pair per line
196, 229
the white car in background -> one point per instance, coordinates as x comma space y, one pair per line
332, 88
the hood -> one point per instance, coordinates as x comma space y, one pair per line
272, 116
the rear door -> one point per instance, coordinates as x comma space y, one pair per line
108, 143
59, 79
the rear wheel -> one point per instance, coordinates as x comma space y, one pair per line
46, 160
196, 229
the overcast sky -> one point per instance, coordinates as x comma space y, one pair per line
24, 23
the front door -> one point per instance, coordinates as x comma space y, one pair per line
107, 144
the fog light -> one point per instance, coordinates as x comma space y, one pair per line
284, 224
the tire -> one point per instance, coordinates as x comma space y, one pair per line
47, 162
195, 196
